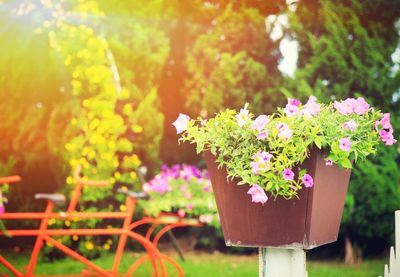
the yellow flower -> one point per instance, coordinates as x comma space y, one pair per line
89, 245
122, 208
106, 246
51, 221
75, 237
133, 175
67, 223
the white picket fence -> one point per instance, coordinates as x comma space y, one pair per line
393, 269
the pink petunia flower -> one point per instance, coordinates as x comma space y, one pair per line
311, 108
385, 121
189, 206
181, 123
294, 102
360, 106
291, 110
242, 117
350, 125
308, 181
328, 162
205, 218
288, 174
387, 136
284, 131
260, 122
263, 135
345, 144
257, 194
2, 209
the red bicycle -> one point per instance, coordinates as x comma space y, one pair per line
125, 232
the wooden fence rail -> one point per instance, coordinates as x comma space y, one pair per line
393, 269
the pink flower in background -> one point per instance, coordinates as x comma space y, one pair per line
284, 131
205, 218
257, 194
288, 174
181, 123
328, 162
386, 134
242, 117
207, 188
181, 213
189, 206
260, 122
350, 125
345, 144
146, 187
262, 135
2, 210
187, 195
307, 180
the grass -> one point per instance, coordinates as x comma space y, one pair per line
200, 264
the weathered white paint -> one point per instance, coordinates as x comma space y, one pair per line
393, 270
275, 262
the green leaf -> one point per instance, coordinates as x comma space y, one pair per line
346, 163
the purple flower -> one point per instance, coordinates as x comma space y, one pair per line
260, 122
350, 125
307, 180
328, 162
189, 206
345, 144
288, 174
242, 116
181, 123
257, 194
207, 188
284, 131
262, 135
2, 210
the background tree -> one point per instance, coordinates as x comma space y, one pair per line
345, 50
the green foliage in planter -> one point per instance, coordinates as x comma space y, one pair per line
264, 152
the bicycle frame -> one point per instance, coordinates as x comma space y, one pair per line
43, 234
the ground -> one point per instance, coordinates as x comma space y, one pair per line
200, 264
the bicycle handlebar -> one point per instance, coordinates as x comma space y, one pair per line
78, 178
9, 179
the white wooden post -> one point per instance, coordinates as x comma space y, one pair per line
393, 270
276, 262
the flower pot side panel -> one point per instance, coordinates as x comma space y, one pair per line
326, 201
277, 223
307, 222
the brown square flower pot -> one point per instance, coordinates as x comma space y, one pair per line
307, 222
